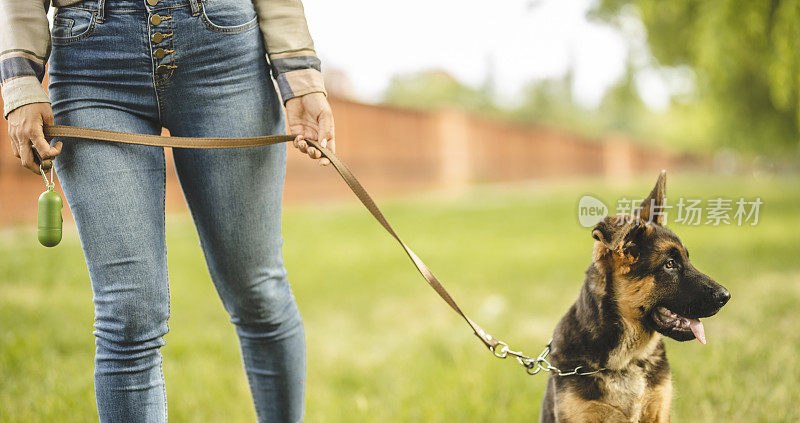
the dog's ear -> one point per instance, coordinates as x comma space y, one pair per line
619, 233
612, 231
652, 207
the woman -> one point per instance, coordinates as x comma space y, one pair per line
198, 68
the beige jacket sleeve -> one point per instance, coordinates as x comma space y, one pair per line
24, 48
295, 65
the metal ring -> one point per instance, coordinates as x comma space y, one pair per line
503, 351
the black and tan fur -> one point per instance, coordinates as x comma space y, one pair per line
612, 323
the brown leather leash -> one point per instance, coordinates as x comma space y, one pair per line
533, 365
338, 164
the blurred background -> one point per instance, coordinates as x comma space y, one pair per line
478, 128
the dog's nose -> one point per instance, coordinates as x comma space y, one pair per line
721, 296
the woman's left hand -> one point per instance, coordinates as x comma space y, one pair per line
309, 117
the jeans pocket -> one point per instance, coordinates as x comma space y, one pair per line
72, 24
228, 15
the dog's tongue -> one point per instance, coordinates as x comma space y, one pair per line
697, 330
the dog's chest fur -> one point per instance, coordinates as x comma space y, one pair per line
638, 392
630, 390
625, 391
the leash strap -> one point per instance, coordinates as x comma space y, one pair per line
347, 175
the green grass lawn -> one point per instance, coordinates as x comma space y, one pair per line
382, 346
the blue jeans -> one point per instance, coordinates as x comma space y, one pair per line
198, 69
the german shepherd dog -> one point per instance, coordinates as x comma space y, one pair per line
639, 287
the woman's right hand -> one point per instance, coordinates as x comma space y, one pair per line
25, 125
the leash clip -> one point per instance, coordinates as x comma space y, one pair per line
503, 351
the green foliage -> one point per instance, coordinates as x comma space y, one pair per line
745, 58
549, 101
622, 109
436, 89
383, 348
545, 101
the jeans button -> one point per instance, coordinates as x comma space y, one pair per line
158, 37
162, 69
152, 2
160, 53
155, 19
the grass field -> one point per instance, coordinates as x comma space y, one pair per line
382, 347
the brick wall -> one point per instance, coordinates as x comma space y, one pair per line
395, 150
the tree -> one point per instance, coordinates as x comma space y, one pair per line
745, 58
551, 101
435, 89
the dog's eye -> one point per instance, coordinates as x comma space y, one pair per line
670, 264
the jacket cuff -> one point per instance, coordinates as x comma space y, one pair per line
21, 90
297, 75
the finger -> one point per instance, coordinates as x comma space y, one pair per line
47, 119
15, 147
303, 146
314, 153
296, 141
326, 129
26, 154
324, 161
43, 147
313, 143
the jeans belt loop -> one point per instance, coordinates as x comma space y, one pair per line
101, 7
195, 7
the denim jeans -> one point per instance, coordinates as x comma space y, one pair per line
199, 69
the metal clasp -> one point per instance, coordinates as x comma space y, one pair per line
535, 365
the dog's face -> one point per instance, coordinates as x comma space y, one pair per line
655, 284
